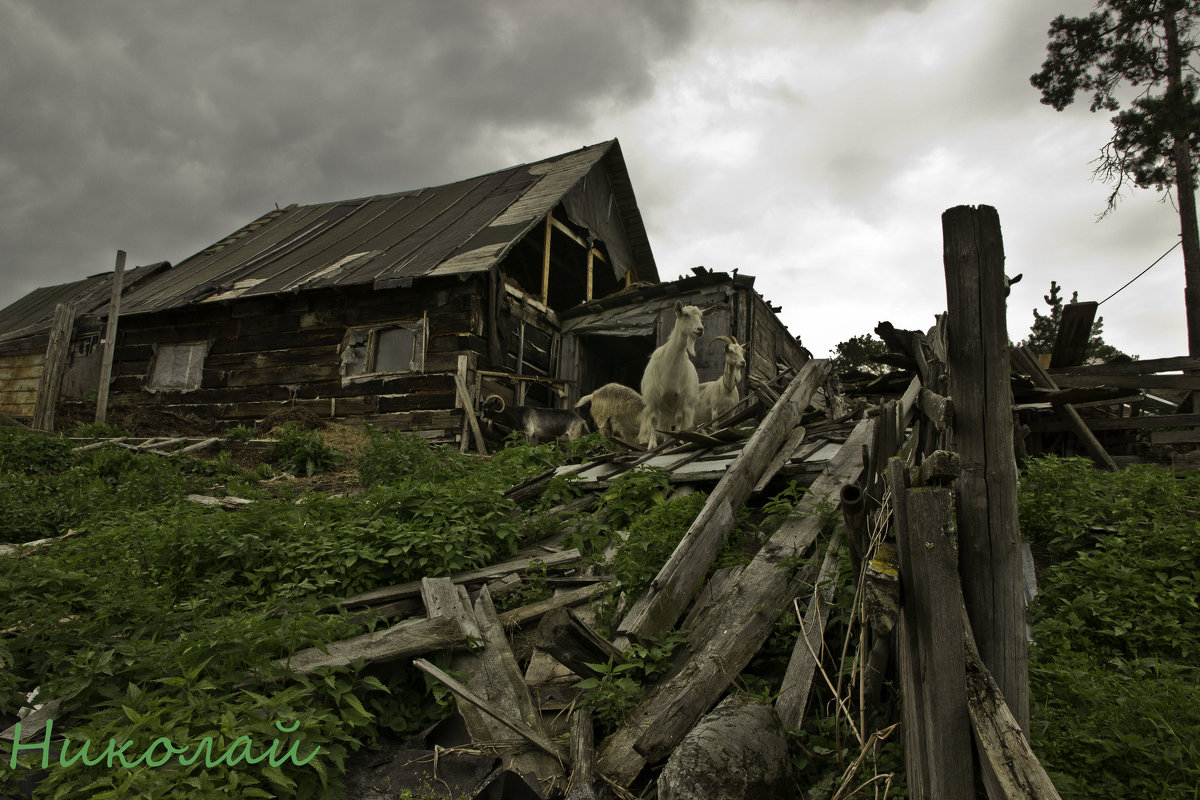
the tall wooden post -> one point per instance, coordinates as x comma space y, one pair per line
57, 352
110, 338
989, 532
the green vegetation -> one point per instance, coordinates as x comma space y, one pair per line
303, 452
1115, 671
163, 618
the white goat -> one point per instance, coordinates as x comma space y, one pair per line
617, 411
717, 397
670, 385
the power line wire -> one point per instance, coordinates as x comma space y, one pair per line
1140, 274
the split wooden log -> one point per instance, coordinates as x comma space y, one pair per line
782, 457
933, 674
574, 644
739, 628
802, 666
517, 617
680, 578
939, 468
401, 641
937, 409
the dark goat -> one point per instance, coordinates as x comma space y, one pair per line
537, 424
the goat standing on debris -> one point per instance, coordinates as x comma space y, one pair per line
670, 385
617, 411
537, 424
717, 397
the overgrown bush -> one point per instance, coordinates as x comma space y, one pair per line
303, 452
1115, 668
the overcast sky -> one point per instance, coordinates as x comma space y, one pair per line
811, 143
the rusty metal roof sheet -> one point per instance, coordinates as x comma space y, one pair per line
390, 240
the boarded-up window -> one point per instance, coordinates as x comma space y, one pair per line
387, 348
178, 366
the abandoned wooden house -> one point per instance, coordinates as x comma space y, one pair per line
536, 282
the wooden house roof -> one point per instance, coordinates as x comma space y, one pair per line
390, 240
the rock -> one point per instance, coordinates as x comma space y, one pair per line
737, 752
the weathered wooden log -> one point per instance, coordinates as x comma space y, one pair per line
881, 590
785, 453
1011, 770
515, 618
797, 680
855, 518
680, 578
937, 729
980, 376
110, 337
738, 752
739, 627
401, 641
574, 644
583, 756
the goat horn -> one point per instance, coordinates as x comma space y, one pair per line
488, 399
727, 339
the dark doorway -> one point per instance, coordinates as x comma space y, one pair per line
612, 359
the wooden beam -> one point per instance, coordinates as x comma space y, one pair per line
400, 641
1026, 360
1146, 366
57, 352
110, 337
546, 260
592, 253
1151, 382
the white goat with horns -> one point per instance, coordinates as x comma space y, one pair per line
717, 397
670, 385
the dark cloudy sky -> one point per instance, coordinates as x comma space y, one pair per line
812, 143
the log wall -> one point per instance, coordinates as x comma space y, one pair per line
275, 352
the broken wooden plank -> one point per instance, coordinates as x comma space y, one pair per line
220, 502
1145, 366
680, 578
785, 454
939, 467
1011, 770
574, 644
400, 641
1151, 382
413, 588
83, 448
203, 444
805, 658
517, 617
937, 409
1074, 331
739, 625
460, 690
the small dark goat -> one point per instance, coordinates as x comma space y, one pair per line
537, 424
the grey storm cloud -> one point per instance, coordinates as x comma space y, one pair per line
159, 127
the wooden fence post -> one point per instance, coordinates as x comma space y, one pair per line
978, 365
110, 338
57, 352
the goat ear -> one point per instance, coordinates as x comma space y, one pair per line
678, 308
